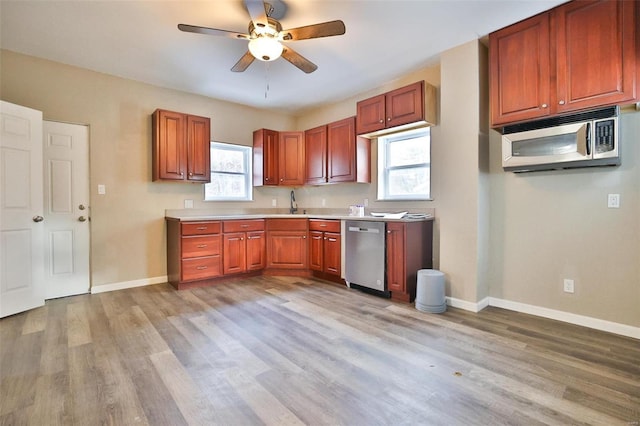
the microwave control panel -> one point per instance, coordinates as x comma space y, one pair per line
604, 135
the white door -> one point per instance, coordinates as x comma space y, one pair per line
21, 210
66, 209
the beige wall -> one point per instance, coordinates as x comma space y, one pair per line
127, 224
498, 234
547, 226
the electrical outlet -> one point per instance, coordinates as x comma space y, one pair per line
274, 202
366, 202
568, 285
102, 189
324, 202
613, 201
188, 204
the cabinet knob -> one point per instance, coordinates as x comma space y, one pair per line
388, 118
561, 102
544, 105
381, 121
304, 237
190, 174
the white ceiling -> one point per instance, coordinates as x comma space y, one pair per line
139, 40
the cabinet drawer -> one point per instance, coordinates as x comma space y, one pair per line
243, 225
287, 224
201, 268
200, 228
201, 246
324, 225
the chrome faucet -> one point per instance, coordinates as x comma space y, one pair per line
294, 205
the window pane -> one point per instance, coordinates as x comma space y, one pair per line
224, 160
226, 185
408, 151
412, 181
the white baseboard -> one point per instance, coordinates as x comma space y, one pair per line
595, 323
468, 306
128, 284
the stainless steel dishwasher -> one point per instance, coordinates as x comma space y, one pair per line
365, 255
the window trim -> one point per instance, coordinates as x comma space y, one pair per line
383, 170
248, 174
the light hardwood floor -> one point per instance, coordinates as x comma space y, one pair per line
288, 351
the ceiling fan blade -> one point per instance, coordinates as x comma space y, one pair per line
243, 63
211, 31
257, 11
298, 60
325, 29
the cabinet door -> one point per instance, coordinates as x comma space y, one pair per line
405, 105
596, 54
341, 152
287, 249
315, 141
519, 71
233, 253
169, 149
370, 116
256, 250
198, 149
332, 253
395, 257
316, 250
291, 158
265, 157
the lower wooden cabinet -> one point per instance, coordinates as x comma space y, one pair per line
325, 249
194, 251
243, 246
287, 244
409, 249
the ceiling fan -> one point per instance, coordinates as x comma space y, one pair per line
266, 36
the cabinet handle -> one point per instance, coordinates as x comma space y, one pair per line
201, 228
201, 267
202, 245
544, 105
561, 102
244, 225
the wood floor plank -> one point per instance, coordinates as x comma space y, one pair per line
297, 350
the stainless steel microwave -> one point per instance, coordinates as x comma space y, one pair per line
580, 140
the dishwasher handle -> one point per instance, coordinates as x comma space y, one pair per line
359, 229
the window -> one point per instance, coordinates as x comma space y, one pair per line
404, 165
230, 173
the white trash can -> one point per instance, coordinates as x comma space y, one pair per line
430, 291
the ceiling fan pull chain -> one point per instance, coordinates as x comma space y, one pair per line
266, 79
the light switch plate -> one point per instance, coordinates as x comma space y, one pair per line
188, 204
102, 189
613, 201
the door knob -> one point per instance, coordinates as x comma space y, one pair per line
81, 207
82, 219
38, 218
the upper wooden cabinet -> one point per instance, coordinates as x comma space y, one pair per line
181, 147
291, 158
577, 56
407, 106
265, 157
278, 158
334, 153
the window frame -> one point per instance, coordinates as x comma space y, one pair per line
248, 173
384, 170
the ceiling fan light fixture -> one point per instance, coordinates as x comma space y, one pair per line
265, 48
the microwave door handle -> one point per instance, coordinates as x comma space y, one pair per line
588, 139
